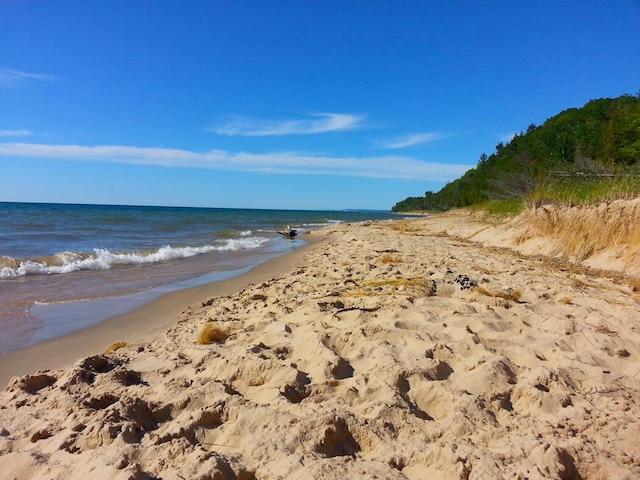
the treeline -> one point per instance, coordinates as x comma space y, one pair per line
600, 139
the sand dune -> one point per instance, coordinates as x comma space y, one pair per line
410, 349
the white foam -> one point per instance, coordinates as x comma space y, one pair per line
103, 259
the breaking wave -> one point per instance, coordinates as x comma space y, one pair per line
103, 259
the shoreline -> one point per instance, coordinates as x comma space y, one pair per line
399, 350
143, 322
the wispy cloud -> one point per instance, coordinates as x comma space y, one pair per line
410, 140
15, 78
397, 167
318, 123
15, 133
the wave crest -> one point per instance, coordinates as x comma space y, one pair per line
103, 259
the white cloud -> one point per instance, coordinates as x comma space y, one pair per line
14, 78
275, 163
15, 133
410, 140
320, 123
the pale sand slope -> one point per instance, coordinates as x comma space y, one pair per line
606, 236
369, 361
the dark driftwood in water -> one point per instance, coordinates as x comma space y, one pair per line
289, 233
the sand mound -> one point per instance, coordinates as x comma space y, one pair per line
394, 351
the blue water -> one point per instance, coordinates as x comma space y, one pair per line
58, 261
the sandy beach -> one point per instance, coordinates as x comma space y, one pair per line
450, 347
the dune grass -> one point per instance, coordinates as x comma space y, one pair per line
599, 222
388, 258
508, 207
582, 232
212, 333
115, 347
578, 190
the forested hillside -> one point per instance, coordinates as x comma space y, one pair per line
601, 139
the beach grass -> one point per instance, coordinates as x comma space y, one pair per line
508, 207
388, 258
115, 347
212, 333
582, 232
566, 191
584, 190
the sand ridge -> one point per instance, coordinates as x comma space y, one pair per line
395, 350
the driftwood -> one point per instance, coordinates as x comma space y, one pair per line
289, 232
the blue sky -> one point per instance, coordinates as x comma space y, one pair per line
287, 104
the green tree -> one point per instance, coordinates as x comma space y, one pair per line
603, 132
